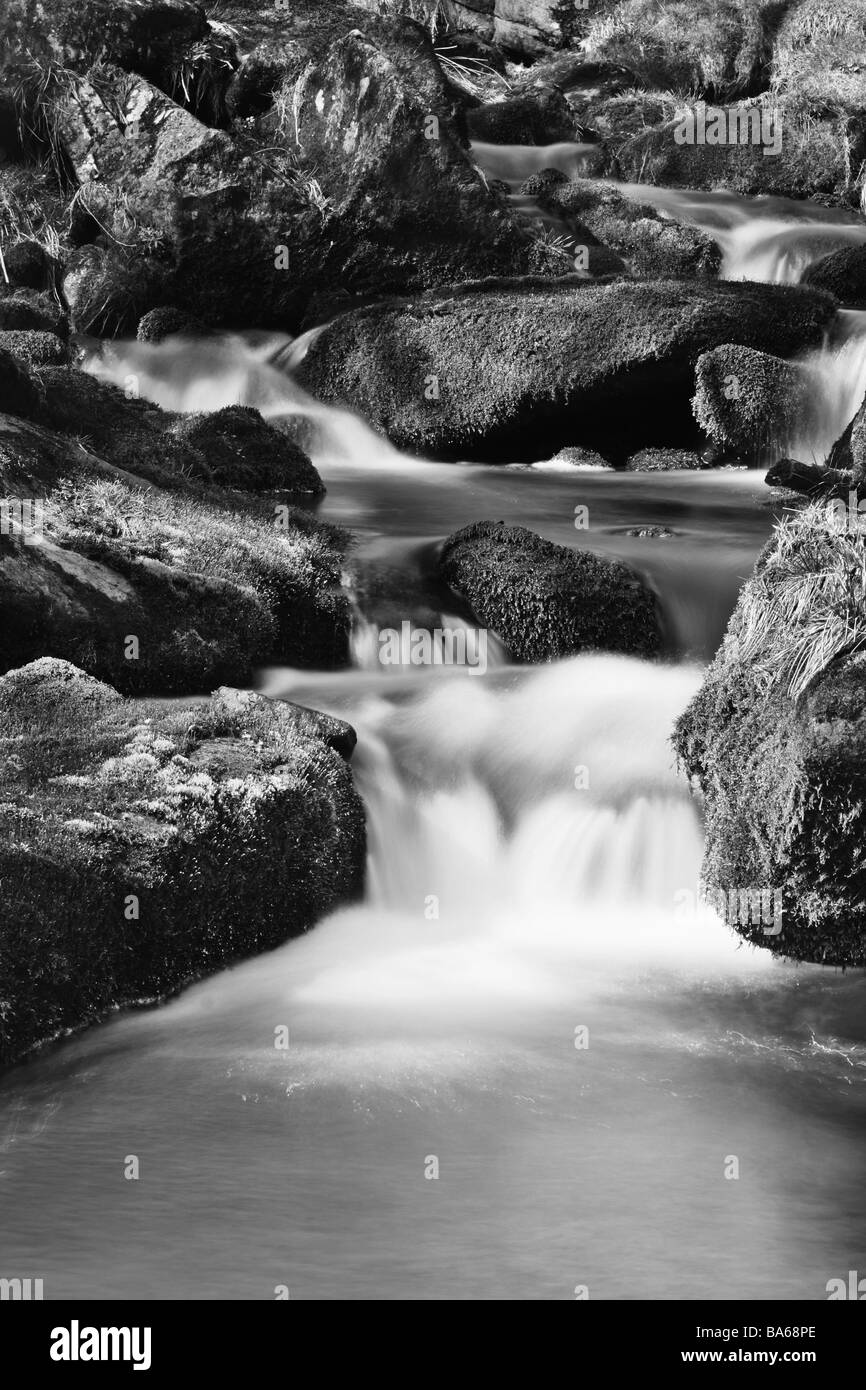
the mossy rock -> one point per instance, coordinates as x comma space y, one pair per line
545, 601
19, 395
34, 348
843, 274
23, 308
752, 402
513, 361
540, 117
783, 779
144, 845
653, 245
664, 461
242, 450
166, 322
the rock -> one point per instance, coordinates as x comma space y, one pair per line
25, 308
18, 394
715, 48
143, 845
653, 245
810, 479
208, 596
34, 348
751, 401
499, 371
107, 291
545, 601
130, 433
152, 39
34, 459
663, 461
243, 451
545, 180
541, 117
843, 274
661, 533
776, 741
167, 322
27, 265
849, 451
532, 27
573, 456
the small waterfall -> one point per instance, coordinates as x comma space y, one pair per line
204, 374
838, 373
513, 164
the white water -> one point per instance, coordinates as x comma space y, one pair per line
530, 846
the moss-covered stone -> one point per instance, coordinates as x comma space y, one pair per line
34, 347
663, 461
713, 47
842, 273
546, 601
242, 450
652, 245
153, 591
501, 370
782, 777
143, 845
166, 322
539, 117
752, 402
22, 308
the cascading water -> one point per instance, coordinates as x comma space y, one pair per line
531, 994
521, 1000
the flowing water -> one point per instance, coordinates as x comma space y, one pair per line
530, 1062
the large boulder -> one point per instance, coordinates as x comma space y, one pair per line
545, 601
843, 274
752, 402
539, 117
715, 48
241, 450
511, 370
144, 845
776, 741
158, 592
651, 244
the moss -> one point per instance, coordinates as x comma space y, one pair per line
34, 348
653, 245
207, 593
22, 308
165, 322
514, 361
540, 117
663, 461
843, 274
544, 600
752, 402
143, 845
27, 265
243, 451
18, 393
712, 47
783, 776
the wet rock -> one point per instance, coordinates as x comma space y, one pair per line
842, 273
242, 450
544, 600
499, 371
159, 592
752, 402
574, 456
849, 451
776, 741
144, 845
652, 245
